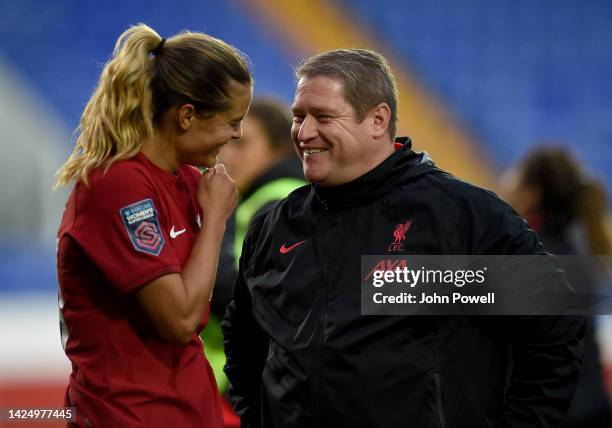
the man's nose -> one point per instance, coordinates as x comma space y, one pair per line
308, 129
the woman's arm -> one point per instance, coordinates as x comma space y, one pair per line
175, 302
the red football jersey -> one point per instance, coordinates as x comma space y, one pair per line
134, 223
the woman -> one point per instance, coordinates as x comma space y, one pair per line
550, 189
140, 237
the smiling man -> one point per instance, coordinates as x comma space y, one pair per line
300, 352
335, 142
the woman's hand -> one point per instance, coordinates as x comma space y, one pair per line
217, 194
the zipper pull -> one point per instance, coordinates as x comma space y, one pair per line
324, 204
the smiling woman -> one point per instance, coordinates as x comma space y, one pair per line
202, 134
140, 237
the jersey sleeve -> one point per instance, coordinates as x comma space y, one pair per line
120, 225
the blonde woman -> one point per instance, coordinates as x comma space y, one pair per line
139, 240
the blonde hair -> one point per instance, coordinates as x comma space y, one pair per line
145, 76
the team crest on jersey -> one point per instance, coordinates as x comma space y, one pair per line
140, 220
399, 235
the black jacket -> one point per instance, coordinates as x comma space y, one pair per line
300, 354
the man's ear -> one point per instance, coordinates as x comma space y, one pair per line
380, 117
185, 115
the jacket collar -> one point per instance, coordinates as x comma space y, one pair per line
403, 164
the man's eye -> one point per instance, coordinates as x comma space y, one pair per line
298, 119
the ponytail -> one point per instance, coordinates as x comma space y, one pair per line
145, 77
119, 116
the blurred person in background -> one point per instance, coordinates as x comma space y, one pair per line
266, 169
141, 233
566, 208
263, 163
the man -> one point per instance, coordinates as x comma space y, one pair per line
300, 354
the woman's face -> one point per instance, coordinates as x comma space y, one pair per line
199, 145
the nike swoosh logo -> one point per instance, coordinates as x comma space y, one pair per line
174, 234
285, 250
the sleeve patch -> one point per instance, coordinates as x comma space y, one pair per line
140, 220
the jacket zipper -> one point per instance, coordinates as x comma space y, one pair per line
317, 406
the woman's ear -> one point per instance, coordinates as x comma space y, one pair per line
185, 115
380, 116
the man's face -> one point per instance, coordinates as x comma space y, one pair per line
333, 146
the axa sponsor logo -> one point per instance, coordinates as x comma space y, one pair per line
386, 265
399, 235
